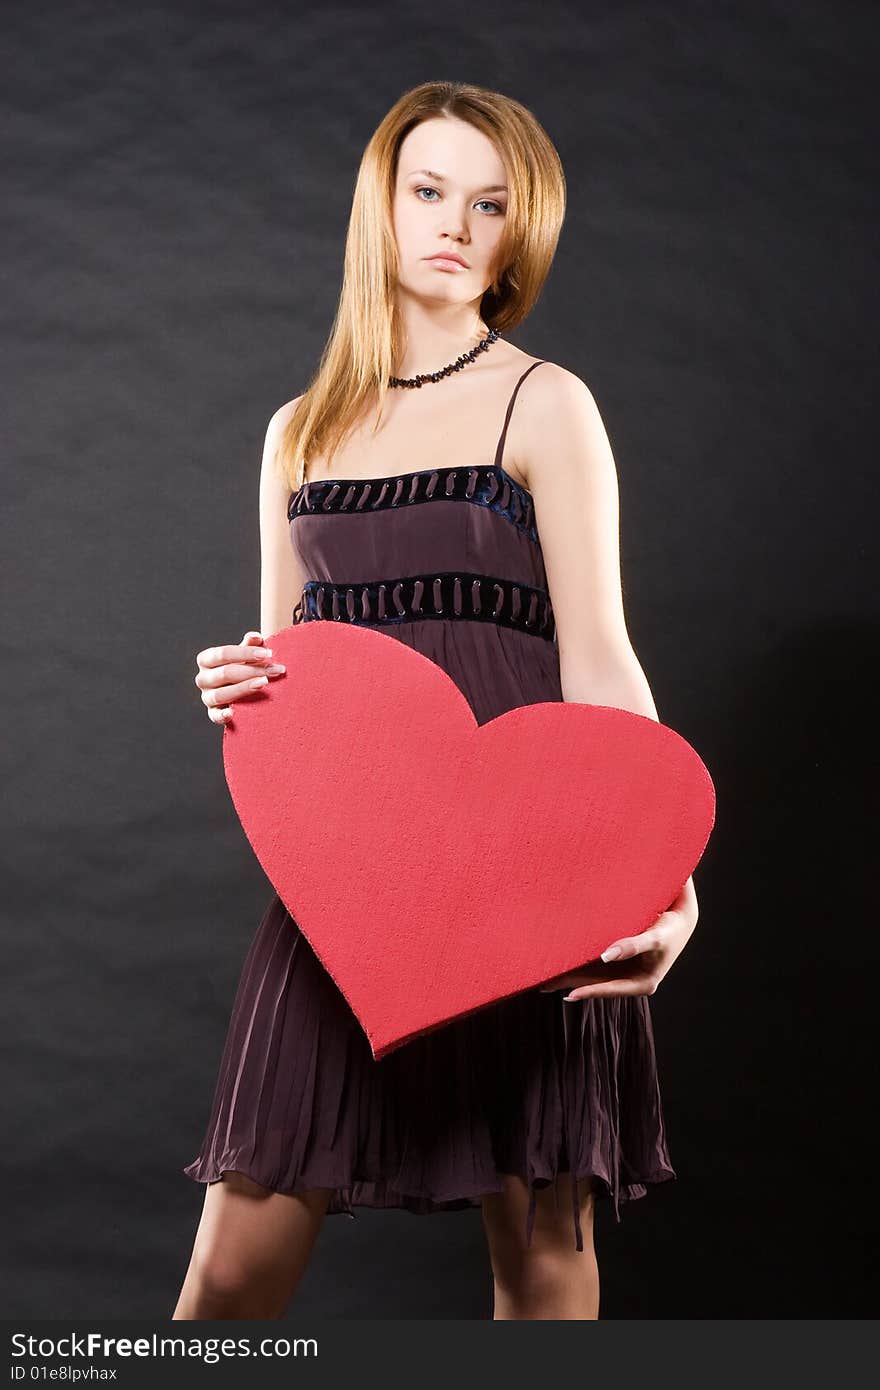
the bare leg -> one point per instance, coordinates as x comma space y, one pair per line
251, 1249
552, 1279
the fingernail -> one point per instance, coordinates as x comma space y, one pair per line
612, 953
260, 680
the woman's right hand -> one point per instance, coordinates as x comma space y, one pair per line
229, 673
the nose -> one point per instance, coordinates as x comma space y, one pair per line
456, 224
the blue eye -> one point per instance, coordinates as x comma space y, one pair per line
425, 189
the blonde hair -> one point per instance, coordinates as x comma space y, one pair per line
366, 336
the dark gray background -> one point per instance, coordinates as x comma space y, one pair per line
178, 181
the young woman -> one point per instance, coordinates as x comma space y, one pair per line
401, 475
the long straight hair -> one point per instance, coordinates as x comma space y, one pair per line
366, 337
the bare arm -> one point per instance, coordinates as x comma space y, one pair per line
573, 478
281, 579
233, 671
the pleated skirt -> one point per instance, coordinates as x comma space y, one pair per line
530, 1086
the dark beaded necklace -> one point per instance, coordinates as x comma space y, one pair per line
456, 366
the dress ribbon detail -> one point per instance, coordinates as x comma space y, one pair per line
486, 486
473, 597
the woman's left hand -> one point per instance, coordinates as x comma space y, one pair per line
640, 965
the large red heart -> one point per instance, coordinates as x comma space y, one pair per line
436, 865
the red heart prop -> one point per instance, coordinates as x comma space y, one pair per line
436, 865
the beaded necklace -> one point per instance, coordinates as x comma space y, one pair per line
456, 366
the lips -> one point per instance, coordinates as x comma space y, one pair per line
448, 256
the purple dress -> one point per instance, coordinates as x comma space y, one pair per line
450, 562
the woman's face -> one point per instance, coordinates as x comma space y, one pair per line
449, 195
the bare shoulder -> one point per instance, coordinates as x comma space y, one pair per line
552, 388
560, 429
281, 419
274, 435
284, 412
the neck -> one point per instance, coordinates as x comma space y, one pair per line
435, 336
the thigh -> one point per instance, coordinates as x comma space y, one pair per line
505, 1214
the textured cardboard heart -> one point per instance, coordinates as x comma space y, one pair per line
436, 865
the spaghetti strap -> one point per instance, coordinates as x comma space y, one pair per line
500, 449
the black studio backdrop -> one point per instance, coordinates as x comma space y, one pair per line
177, 185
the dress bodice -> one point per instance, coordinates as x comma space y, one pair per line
448, 543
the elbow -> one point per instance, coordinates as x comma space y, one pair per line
613, 677
590, 665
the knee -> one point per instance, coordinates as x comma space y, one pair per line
223, 1283
226, 1281
541, 1272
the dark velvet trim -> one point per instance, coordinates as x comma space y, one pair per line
452, 595
488, 485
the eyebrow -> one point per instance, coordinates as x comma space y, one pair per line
440, 178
